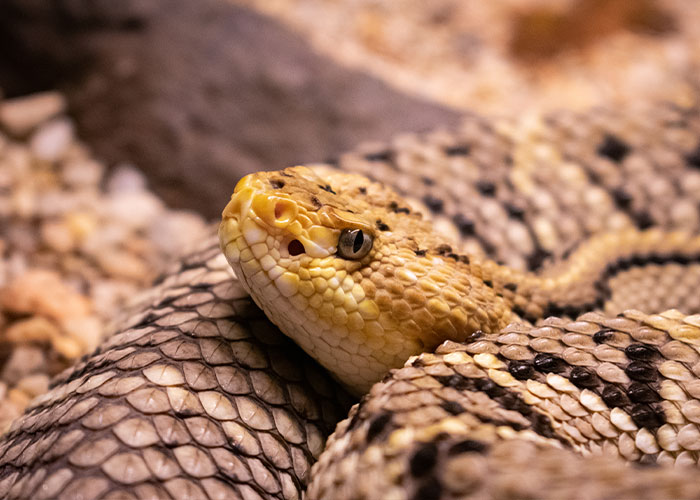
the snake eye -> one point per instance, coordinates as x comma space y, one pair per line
354, 244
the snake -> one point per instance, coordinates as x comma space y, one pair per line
514, 301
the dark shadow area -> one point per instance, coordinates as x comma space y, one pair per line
197, 93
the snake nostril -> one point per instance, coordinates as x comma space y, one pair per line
295, 248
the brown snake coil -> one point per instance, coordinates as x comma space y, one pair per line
198, 396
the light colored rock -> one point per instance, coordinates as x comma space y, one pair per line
124, 265
81, 173
20, 115
133, 209
126, 178
87, 331
57, 235
51, 141
33, 385
34, 329
42, 292
175, 231
25, 359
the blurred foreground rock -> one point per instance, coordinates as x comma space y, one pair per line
196, 93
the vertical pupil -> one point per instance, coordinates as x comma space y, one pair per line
359, 238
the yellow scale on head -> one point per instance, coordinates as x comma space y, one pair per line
342, 267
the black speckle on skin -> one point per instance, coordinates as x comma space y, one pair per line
488, 283
537, 258
327, 188
452, 407
431, 489
640, 352
464, 224
487, 188
423, 459
277, 183
428, 181
443, 249
613, 148
394, 207
642, 393
622, 198
467, 446
436, 205
643, 220
693, 158
386, 155
382, 226
647, 416
613, 397
362, 190
521, 370
548, 363
602, 336
515, 211
316, 203
583, 378
420, 253
455, 381
641, 372
461, 150
510, 286
378, 424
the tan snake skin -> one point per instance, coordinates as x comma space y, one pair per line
196, 396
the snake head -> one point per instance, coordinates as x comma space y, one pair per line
335, 261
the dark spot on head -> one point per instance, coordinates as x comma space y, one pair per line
327, 188
548, 363
641, 372
613, 397
519, 311
642, 393
488, 283
420, 253
385, 155
452, 407
510, 286
443, 249
315, 202
464, 224
491, 388
423, 459
583, 378
435, 205
467, 446
464, 259
487, 188
277, 183
394, 207
457, 150
602, 336
613, 148
362, 190
647, 416
381, 226
377, 425
521, 370
431, 489
641, 352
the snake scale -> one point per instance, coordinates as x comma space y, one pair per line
543, 247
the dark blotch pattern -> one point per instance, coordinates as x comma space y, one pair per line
521, 370
613, 148
423, 459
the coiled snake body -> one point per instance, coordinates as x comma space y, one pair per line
544, 388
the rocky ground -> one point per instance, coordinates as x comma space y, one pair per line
496, 57
75, 245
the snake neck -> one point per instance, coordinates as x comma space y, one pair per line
581, 282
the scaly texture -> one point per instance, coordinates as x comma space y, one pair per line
197, 396
136, 418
